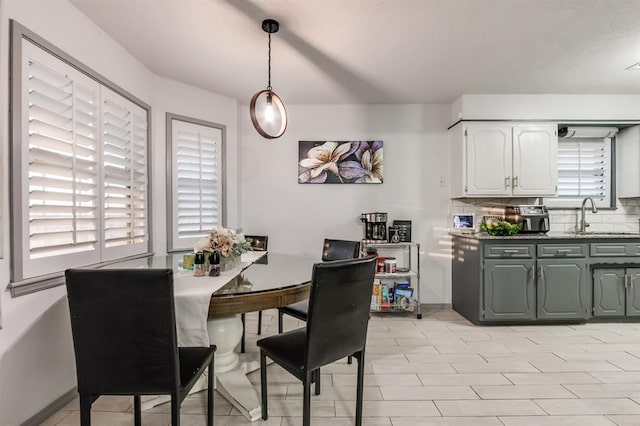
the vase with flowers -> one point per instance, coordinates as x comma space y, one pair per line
227, 243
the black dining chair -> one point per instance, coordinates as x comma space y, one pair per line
331, 250
339, 305
258, 243
124, 337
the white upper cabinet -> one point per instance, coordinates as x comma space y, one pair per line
627, 160
504, 160
535, 160
489, 151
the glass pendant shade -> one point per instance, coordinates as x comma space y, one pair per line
268, 114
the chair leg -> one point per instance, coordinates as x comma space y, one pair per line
280, 315
137, 411
263, 384
360, 388
259, 323
316, 374
175, 410
210, 374
242, 317
306, 403
85, 410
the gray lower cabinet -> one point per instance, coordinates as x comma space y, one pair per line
615, 292
526, 280
563, 289
509, 289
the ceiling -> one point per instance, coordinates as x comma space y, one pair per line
382, 51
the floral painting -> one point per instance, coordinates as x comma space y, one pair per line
340, 162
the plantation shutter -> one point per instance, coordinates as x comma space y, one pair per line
583, 169
79, 171
59, 165
196, 181
124, 177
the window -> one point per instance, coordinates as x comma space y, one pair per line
79, 168
195, 152
584, 170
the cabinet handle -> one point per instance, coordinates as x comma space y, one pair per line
507, 182
540, 272
631, 282
510, 251
563, 251
515, 181
626, 281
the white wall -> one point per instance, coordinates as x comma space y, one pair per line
36, 354
298, 217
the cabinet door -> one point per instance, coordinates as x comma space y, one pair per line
633, 292
488, 156
535, 159
563, 289
509, 292
608, 292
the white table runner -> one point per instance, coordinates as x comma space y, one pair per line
192, 296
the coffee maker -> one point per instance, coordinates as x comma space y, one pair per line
375, 226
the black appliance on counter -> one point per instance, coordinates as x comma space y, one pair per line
534, 218
375, 226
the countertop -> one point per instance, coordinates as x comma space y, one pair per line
547, 236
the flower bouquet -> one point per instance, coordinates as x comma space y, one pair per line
229, 244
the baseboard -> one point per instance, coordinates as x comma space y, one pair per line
435, 306
52, 408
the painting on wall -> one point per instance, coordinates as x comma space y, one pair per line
340, 162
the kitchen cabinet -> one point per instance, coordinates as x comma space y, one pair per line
504, 160
615, 292
520, 279
627, 160
553, 286
509, 292
563, 289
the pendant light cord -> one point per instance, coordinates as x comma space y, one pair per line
269, 83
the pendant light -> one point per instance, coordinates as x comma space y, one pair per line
267, 110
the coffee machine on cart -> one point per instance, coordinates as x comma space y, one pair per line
375, 226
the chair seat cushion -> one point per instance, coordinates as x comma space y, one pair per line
298, 310
286, 349
192, 360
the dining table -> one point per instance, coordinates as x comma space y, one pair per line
208, 310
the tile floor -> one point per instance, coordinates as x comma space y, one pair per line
443, 370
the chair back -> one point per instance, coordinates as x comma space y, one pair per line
258, 242
339, 305
340, 249
124, 332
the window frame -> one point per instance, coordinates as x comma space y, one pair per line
609, 201
172, 246
19, 285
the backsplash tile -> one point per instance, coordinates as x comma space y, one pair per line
625, 218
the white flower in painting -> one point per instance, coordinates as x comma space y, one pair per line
322, 159
369, 169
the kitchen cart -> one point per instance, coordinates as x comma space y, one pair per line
407, 255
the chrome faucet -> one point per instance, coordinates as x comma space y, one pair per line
583, 222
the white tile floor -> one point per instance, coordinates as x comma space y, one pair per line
443, 370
